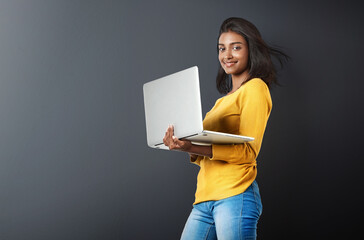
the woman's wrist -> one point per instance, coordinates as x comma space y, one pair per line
200, 150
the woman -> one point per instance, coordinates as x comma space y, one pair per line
227, 201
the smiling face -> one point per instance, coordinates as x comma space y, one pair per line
233, 54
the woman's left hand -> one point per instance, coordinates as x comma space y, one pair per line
174, 143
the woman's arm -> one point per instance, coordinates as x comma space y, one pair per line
255, 104
200, 150
184, 145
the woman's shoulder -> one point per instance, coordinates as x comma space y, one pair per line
256, 83
256, 87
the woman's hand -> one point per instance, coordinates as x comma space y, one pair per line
184, 145
174, 143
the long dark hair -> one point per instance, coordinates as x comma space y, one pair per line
260, 64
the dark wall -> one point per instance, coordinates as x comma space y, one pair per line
74, 163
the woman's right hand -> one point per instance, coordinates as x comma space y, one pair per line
173, 143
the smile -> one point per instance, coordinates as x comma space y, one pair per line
229, 64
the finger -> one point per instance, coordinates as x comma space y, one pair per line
171, 146
182, 144
168, 133
177, 142
165, 141
175, 139
174, 146
168, 137
172, 130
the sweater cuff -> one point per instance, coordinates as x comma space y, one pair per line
218, 152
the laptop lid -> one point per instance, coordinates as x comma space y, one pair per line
173, 99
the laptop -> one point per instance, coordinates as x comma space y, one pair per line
175, 100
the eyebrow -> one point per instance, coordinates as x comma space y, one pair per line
231, 43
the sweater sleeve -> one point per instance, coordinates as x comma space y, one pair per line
255, 105
196, 160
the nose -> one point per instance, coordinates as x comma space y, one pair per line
227, 55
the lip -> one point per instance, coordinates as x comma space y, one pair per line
229, 64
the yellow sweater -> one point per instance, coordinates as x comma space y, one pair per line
232, 167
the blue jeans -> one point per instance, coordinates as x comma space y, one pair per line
231, 218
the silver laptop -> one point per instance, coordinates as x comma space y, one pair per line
175, 100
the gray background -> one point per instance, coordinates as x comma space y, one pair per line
74, 163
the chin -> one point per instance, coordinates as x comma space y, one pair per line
234, 71
230, 71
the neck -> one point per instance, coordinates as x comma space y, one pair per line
238, 80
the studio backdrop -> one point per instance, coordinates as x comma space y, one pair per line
74, 162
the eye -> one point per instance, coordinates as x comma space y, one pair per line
221, 49
236, 47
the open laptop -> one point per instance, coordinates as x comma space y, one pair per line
175, 100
